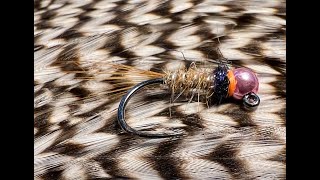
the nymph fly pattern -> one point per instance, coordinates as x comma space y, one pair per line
222, 82
90, 54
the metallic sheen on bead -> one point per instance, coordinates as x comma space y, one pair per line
247, 82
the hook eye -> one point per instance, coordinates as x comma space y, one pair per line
251, 101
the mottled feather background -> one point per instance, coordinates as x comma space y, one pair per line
76, 135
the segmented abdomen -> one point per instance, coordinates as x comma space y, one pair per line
193, 79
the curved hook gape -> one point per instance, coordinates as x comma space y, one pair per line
250, 102
123, 103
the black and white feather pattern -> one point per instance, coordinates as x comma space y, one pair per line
76, 135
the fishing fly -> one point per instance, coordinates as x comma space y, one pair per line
220, 82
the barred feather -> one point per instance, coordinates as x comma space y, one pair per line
87, 54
